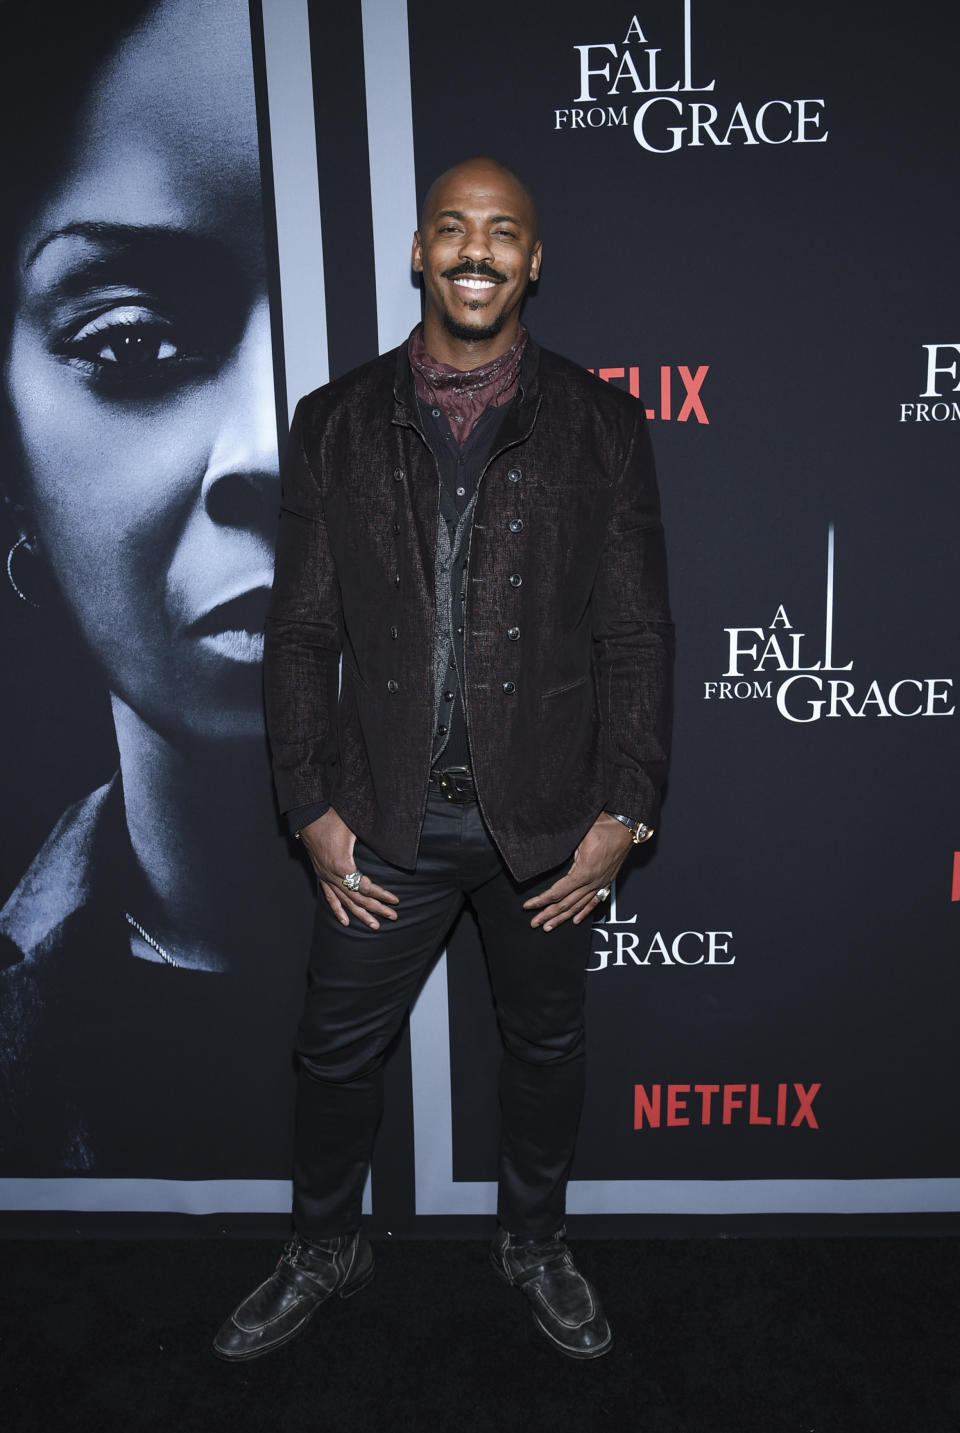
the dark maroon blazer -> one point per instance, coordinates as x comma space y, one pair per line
567, 641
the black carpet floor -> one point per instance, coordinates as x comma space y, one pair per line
712, 1336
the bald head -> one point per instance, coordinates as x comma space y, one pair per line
481, 173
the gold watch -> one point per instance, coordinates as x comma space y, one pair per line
639, 830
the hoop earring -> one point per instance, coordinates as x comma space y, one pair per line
22, 541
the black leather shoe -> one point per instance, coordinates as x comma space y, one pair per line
565, 1304
306, 1276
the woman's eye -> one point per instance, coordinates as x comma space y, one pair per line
135, 348
127, 344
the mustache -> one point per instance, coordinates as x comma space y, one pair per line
468, 269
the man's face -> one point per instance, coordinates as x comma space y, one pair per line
477, 249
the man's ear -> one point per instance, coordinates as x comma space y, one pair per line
416, 256
536, 255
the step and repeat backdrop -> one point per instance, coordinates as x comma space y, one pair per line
749, 224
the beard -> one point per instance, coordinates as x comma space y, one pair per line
468, 333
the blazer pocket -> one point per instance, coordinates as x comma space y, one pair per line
562, 690
566, 720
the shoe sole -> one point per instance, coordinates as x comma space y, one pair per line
555, 1343
347, 1292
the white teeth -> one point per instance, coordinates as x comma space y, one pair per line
475, 283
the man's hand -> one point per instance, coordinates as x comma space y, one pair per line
596, 862
330, 842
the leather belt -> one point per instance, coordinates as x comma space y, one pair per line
455, 783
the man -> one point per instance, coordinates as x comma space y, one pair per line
471, 523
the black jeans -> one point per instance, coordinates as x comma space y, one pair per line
362, 983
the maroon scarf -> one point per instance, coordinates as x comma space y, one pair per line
464, 395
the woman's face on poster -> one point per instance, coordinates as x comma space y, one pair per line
140, 374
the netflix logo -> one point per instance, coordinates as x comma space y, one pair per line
679, 402
674, 1106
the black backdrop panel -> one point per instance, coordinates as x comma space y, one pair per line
771, 302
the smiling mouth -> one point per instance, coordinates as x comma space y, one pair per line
474, 286
474, 281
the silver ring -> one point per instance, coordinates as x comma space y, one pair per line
351, 881
603, 892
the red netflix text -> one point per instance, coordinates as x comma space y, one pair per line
679, 403
673, 1106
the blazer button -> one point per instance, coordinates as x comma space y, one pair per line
394, 632
514, 475
509, 688
393, 686
448, 696
513, 633
515, 579
398, 475
396, 527
516, 524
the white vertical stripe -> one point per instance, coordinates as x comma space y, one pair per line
828, 635
386, 63
687, 47
286, 37
436, 1191
828, 632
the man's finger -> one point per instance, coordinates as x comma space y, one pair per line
580, 910
362, 913
369, 888
371, 904
344, 904
580, 896
575, 910
556, 892
333, 901
587, 909
364, 905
